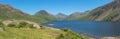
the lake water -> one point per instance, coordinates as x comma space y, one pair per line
89, 28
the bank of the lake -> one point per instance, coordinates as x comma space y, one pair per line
89, 28
17, 29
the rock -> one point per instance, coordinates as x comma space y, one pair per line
50, 24
112, 37
36, 25
1, 29
51, 28
7, 22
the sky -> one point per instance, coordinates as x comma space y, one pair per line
55, 6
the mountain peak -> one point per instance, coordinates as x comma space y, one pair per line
108, 12
1, 5
8, 12
117, 1
42, 12
44, 15
5, 5
61, 14
75, 13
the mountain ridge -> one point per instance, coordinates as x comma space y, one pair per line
7, 12
61, 16
107, 12
44, 15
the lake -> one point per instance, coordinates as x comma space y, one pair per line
89, 28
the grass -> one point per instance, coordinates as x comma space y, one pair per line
70, 35
26, 33
24, 30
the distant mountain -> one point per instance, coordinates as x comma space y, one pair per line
42, 14
108, 12
73, 16
76, 15
8, 12
61, 16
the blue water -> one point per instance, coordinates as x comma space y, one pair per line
89, 28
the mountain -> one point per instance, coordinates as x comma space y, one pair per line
61, 16
75, 16
108, 12
7, 12
42, 14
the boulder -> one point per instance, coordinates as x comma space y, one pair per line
50, 24
1, 29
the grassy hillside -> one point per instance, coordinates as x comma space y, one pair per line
8, 12
108, 12
16, 33
24, 30
42, 14
85, 17
24, 33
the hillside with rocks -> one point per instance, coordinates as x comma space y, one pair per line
108, 12
42, 14
7, 12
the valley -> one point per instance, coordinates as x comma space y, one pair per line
99, 23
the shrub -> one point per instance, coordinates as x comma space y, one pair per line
70, 35
61, 36
66, 29
42, 27
11, 25
30, 26
1, 24
22, 24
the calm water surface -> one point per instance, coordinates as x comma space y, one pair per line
89, 28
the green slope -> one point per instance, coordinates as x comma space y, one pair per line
7, 12
23, 33
42, 14
108, 12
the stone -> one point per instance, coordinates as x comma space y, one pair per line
1, 29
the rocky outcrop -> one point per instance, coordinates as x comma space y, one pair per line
16, 22
36, 25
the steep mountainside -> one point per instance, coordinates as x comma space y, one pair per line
42, 14
8, 12
75, 16
61, 16
108, 12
